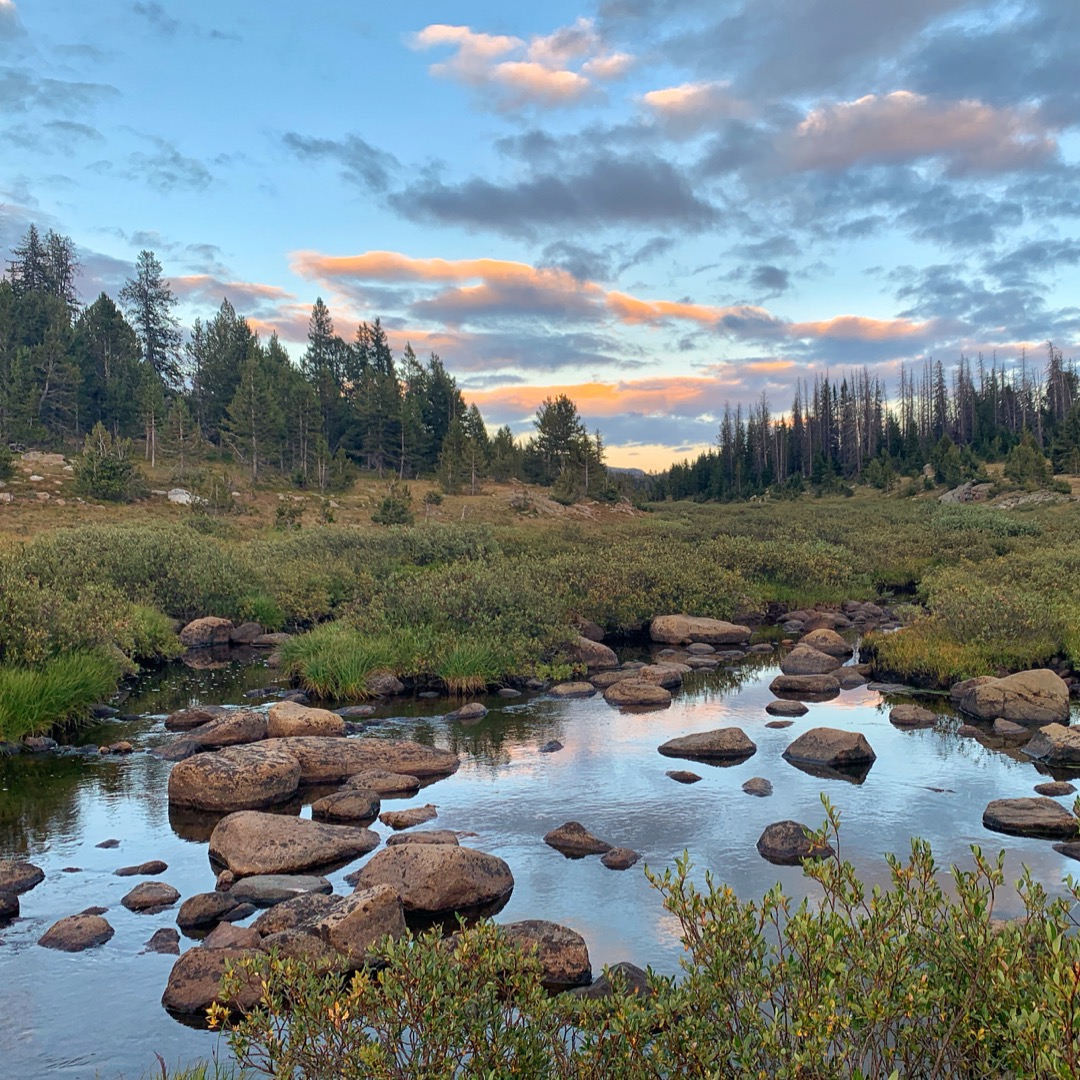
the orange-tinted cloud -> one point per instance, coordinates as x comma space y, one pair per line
692, 107
905, 126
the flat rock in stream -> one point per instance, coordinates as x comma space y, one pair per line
250, 843
723, 744
266, 890
236, 778
327, 761
146, 869
635, 691
575, 841
387, 785
288, 718
1040, 817
356, 805
150, 897
406, 819
77, 933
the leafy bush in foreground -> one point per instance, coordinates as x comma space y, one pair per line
917, 979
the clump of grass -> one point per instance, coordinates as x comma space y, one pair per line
152, 635
469, 667
335, 661
35, 700
262, 608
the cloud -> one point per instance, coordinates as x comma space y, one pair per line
903, 126
607, 191
693, 107
361, 163
57, 136
770, 279
157, 16
248, 297
166, 168
10, 27
24, 91
509, 73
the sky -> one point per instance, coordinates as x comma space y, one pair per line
657, 207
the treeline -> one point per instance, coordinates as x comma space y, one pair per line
219, 389
838, 432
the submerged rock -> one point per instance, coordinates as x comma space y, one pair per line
470, 713
146, 869
723, 744
9, 906
250, 843
575, 841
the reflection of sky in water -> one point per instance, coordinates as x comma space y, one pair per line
98, 1013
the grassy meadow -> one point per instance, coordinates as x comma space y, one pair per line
483, 588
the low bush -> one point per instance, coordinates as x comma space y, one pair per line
916, 978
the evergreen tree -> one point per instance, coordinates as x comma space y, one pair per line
106, 352
180, 438
149, 303
254, 414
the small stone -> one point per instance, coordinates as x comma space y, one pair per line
758, 786
423, 836
1055, 788
509, 692
552, 747
355, 712
786, 708
39, 744
150, 897
108, 844
779, 724
787, 843
166, 941
619, 858
470, 713
406, 819
681, 776
146, 869
575, 841
77, 933
912, 716
225, 881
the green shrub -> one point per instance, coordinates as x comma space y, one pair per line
152, 635
396, 507
262, 608
105, 470
7, 463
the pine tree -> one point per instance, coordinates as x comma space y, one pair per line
149, 303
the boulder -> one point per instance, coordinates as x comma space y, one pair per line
780, 707
787, 843
304, 946
573, 690
467, 714
681, 776
236, 778
702, 648
234, 728
9, 907
270, 641
165, 941
911, 716
146, 869
626, 977
195, 982
603, 679
203, 633
806, 687
1055, 788
619, 858
436, 879
562, 952
588, 629
634, 691
575, 841
18, 877
758, 786
850, 679
76, 933
387, 785
227, 936
722, 744
205, 910
299, 912
266, 890
1029, 697
250, 843
552, 746
357, 922
428, 836
687, 629
826, 641
353, 806
1012, 733
245, 633
328, 761
384, 684
1054, 744
669, 675
1030, 817
960, 689
831, 748
406, 819
593, 654
287, 718
150, 897
804, 660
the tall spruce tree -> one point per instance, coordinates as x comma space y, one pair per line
149, 301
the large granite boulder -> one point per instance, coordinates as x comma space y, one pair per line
329, 761
593, 654
195, 982
288, 718
1041, 817
250, 842
562, 952
723, 744
203, 633
1029, 697
1055, 744
436, 879
234, 728
236, 778
687, 629
804, 660
354, 924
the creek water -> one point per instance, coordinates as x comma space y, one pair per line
97, 1014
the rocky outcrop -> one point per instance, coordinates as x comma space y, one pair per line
195, 982
77, 933
1041, 817
354, 924
787, 843
287, 718
250, 842
562, 952
634, 691
1029, 697
687, 629
575, 841
203, 633
1054, 744
328, 761
804, 660
723, 744
236, 778
436, 879
593, 654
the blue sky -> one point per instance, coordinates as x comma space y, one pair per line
658, 206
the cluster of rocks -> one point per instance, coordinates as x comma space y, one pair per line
851, 615
574, 841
